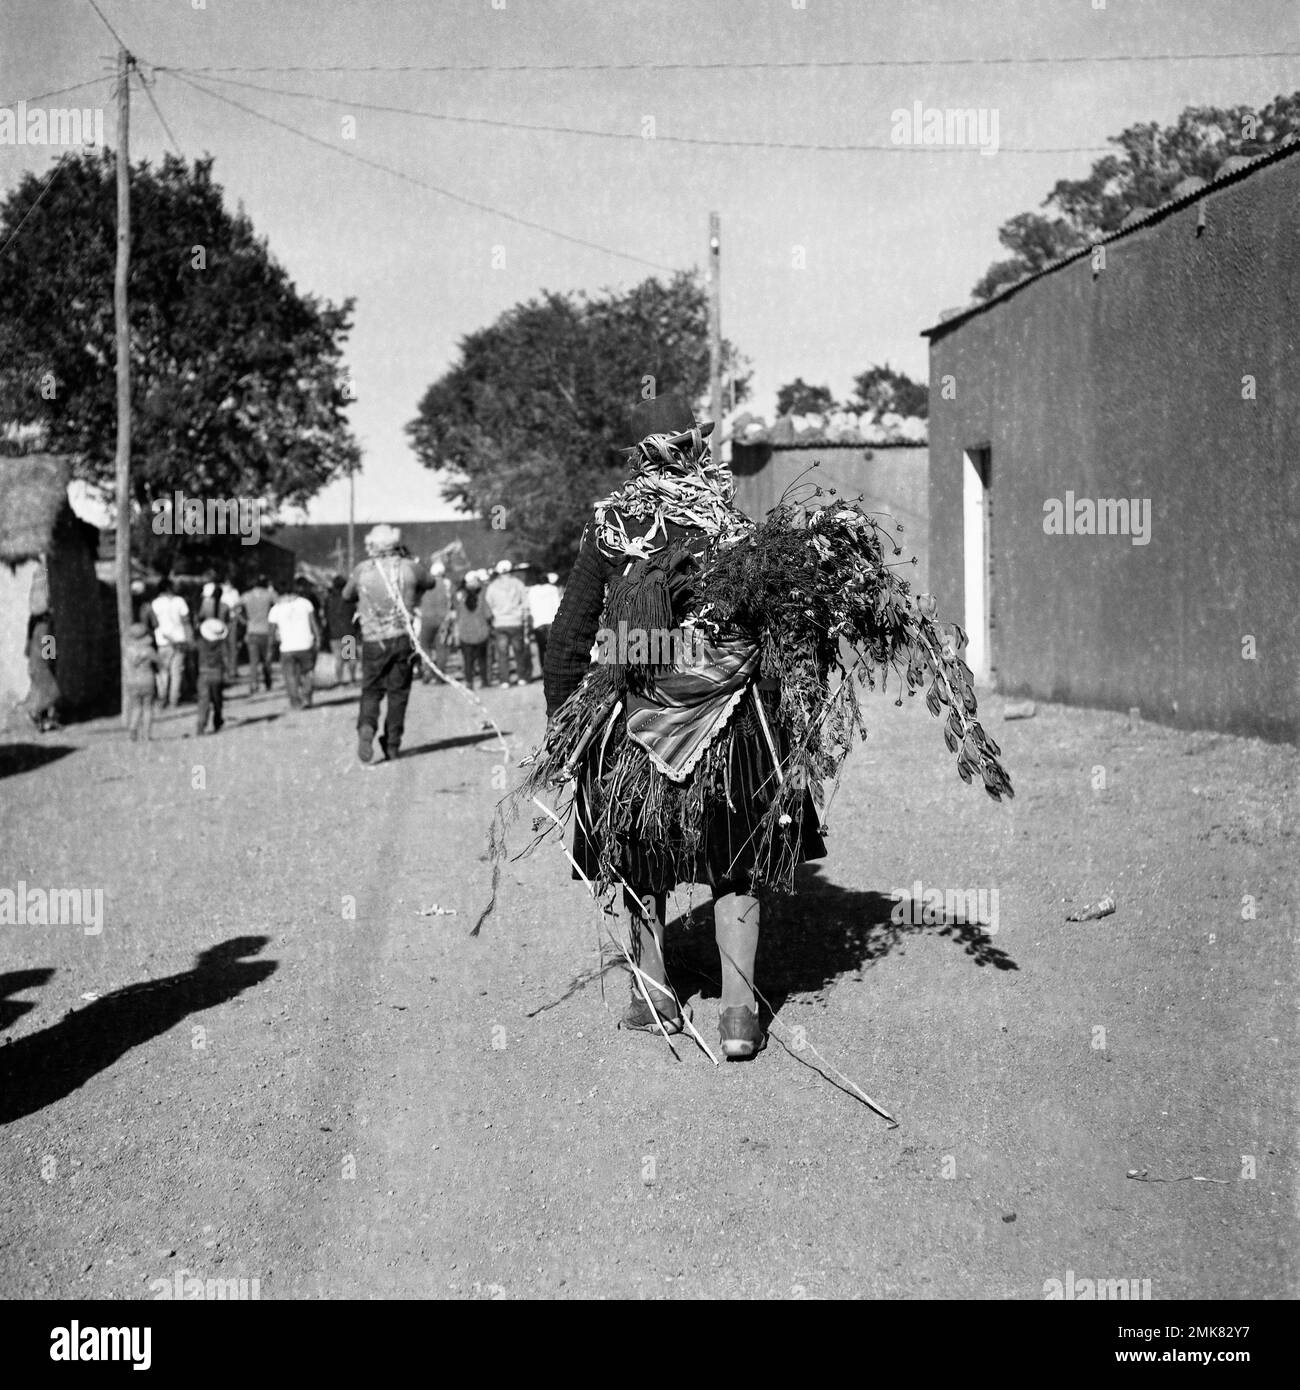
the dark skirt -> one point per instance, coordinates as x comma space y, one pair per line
732, 853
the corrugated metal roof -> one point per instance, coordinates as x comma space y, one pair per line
1284, 151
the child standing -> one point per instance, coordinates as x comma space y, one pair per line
212, 672
142, 666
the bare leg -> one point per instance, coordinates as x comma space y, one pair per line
646, 915
736, 918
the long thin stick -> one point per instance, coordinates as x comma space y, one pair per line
767, 733
776, 1018
591, 888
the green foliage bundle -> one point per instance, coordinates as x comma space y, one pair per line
812, 584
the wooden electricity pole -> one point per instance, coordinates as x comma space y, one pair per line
352, 517
122, 321
715, 322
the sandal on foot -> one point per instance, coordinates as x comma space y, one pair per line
637, 1017
740, 1033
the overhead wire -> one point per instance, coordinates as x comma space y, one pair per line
36, 202
58, 92
107, 25
58, 164
724, 143
421, 183
162, 120
1007, 60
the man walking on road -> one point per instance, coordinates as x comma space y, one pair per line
387, 585
507, 602
256, 605
294, 618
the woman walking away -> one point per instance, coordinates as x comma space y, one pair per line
695, 775
294, 620
720, 698
472, 630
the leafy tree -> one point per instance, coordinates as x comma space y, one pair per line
798, 398
882, 389
528, 421
238, 388
1152, 160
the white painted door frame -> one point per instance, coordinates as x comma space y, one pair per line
975, 473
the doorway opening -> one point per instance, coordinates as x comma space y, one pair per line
977, 560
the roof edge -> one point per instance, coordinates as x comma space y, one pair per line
1286, 150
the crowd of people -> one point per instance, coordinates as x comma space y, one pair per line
477, 626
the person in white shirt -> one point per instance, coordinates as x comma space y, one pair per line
506, 600
294, 619
174, 635
234, 624
543, 602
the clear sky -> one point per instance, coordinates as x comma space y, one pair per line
832, 260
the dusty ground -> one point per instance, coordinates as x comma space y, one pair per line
264, 1086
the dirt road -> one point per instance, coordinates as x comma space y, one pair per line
270, 1065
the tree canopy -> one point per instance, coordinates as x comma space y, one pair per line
798, 398
877, 391
1151, 161
527, 422
238, 387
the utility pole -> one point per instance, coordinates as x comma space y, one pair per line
121, 318
352, 515
715, 320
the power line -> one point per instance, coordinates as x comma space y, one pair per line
54, 173
787, 66
61, 91
804, 145
421, 183
107, 25
148, 91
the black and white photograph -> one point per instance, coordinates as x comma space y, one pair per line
649, 650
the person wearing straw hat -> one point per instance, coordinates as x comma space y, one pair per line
672, 759
387, 585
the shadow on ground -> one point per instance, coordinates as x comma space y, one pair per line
24, 757
820, 935
440, 745
43, 1067
807, 942
14, 982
